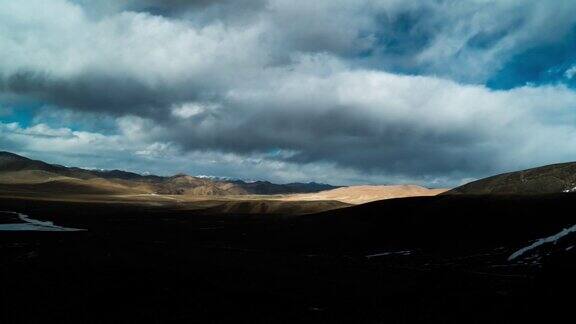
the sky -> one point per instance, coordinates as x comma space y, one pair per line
432, 92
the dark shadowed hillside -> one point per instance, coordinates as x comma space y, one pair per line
555, 178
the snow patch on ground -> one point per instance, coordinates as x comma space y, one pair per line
30, 224
550, 239
407, 252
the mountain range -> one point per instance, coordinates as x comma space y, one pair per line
21, 176
21, 173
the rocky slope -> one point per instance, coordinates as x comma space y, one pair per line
554, 178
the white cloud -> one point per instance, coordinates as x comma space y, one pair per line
41, 137
570, 73
191, 109
151, 49
162, 51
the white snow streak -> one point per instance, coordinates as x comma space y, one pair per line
30, 224
542, 241
407, 252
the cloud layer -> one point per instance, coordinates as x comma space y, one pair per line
343, 91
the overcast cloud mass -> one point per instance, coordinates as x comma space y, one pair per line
338, 91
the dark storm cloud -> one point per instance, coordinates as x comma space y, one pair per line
111, 94
169, 6
180, 4
201, 11
409, 137
226, 10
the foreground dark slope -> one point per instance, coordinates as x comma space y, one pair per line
554, 178
444, 259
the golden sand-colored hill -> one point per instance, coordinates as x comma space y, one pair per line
364, 194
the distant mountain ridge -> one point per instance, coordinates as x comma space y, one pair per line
549, 179
16, 170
